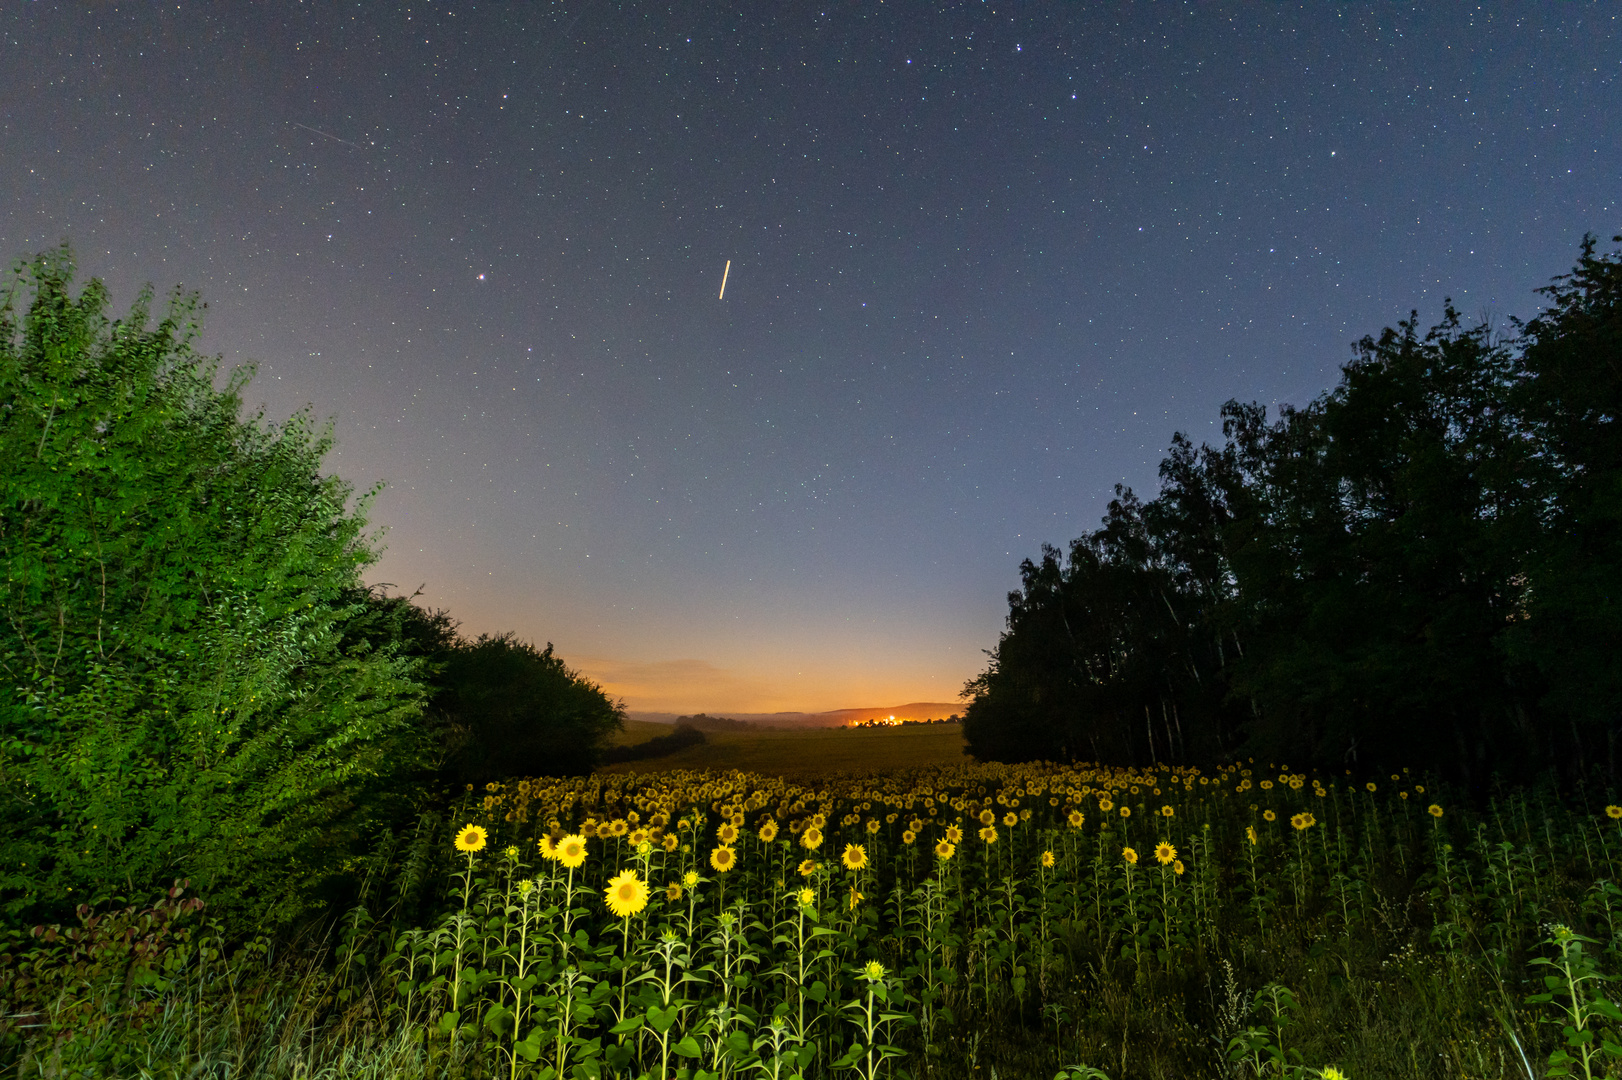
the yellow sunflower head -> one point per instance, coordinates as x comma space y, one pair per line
723, 859
954, 834
1177, 866
1129, 855
1165, 854
908, 836
549, 848
690, 878
1010, 819
673, 891
806, 897
572, 850
1268, 815
1077, 819
727, 833
989, 834
855, 857
1047, 860
768, 831
626, 895
808, 867
811, 838
472, 838
944, 850
1436, 811
1126, 811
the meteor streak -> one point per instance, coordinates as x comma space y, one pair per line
724, 274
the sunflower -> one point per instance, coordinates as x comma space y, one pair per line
807, 897
618, 827
873, 971
727, 833
855, 857
989, 834
768, 831
1165, 854
1010, 819
723, 858
944, 850
1268, 815
908, 836
954, 834
1177, 866
670, 842
549, 848
1370, 786
1105, 806
812, 838
1614, 813
1047, 860
855, 898
626, 895
690, 879
808, 867
1436, 811
1077, 819
572, 850
1129, 855
1303, 820
673, 891
988, 816
1250, 834
472, 838
1126, 811
1166, 811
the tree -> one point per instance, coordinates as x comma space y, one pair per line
1420, 567
180, 695
514, 710
1570, 590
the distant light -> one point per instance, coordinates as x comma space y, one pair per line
481, 277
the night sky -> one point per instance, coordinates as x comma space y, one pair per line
985, 260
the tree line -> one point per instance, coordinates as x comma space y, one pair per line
194, 680
1422, 567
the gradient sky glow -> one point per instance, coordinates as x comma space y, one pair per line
986, 258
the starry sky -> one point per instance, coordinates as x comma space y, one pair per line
985, 259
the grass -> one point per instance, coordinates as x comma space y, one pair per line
807, 752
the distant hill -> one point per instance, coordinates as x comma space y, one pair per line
917, 710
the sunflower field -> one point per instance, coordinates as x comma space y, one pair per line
977, 920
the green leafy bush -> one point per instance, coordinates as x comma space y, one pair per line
178, 696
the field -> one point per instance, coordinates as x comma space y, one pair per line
805, 752
953, 922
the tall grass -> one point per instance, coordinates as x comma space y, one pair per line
1272, 924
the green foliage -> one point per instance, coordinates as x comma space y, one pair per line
1420, 566
515, 710
181, 696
